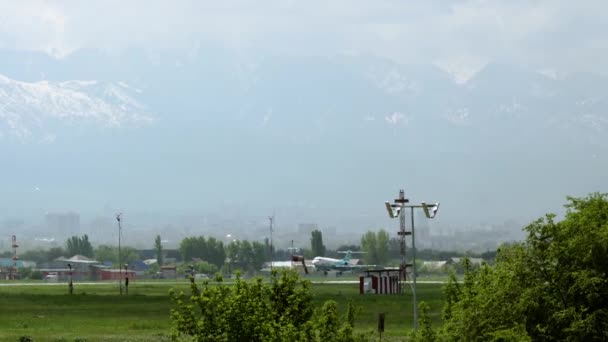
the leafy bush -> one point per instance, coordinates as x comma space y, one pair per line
552, 287
256, 311
36, 275
199, 267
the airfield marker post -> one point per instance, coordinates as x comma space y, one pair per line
381, 317
126, 280
271, 219
71, 284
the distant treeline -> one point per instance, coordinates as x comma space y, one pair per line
210, 254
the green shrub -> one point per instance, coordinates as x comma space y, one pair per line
256, 311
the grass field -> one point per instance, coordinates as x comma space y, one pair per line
97, 313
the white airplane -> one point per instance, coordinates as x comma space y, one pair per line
331, 264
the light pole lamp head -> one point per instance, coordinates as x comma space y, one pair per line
430, 210
393, 210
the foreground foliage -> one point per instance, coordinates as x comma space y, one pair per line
552, 287
256, 311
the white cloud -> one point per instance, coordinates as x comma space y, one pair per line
459, 35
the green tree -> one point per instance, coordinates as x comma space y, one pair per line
247, 256
79, 245
425, 332
129, 255
552, 287
36, 255
153, 269
215, 252
158, 247
106, 253
55, 252
376, 245
210, 250
329, 322
369, 245
259, 253
316, 243
382, 247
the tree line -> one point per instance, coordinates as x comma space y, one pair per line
209, 253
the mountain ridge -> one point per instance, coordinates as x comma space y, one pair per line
314, 133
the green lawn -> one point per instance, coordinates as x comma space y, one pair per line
98, 313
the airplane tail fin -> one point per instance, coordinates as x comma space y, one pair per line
347, 256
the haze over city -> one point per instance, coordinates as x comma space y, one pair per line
194, 117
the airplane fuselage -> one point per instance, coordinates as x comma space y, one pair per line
322, 261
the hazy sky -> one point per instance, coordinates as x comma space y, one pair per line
555, 36
309, 128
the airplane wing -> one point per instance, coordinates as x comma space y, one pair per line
356, 267
343, 267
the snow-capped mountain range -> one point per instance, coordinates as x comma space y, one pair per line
177, 133
28, 108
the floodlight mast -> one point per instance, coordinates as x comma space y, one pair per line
395, 210
414, 271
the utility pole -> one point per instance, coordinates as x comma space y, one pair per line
119, 219
13, 274
271, 219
